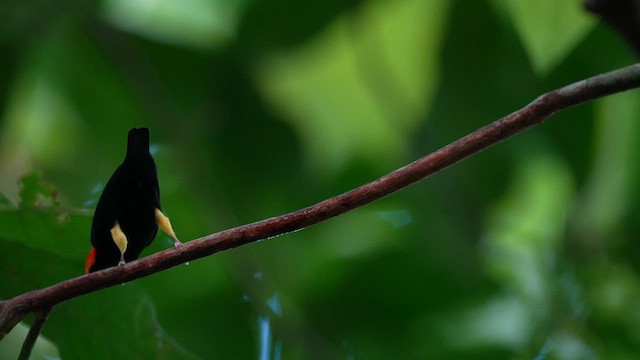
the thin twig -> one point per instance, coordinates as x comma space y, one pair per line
14, 310
38, 323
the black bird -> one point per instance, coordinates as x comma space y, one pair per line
128, 213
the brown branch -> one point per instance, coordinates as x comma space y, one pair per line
38, 323
14, 310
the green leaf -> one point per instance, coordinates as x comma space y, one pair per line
42, 223
36, 193
44, 245
548, 29
359, 90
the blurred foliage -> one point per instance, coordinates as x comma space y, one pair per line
257, 108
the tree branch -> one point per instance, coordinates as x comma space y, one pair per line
14, 310
38, 323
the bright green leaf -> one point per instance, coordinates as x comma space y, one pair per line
359, 89
548, 29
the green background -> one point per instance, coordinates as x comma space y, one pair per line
257, 108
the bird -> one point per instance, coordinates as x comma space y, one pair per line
128, 213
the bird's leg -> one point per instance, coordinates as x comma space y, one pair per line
165, 224
121, 241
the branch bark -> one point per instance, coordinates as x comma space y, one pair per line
38, 323
15, 309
